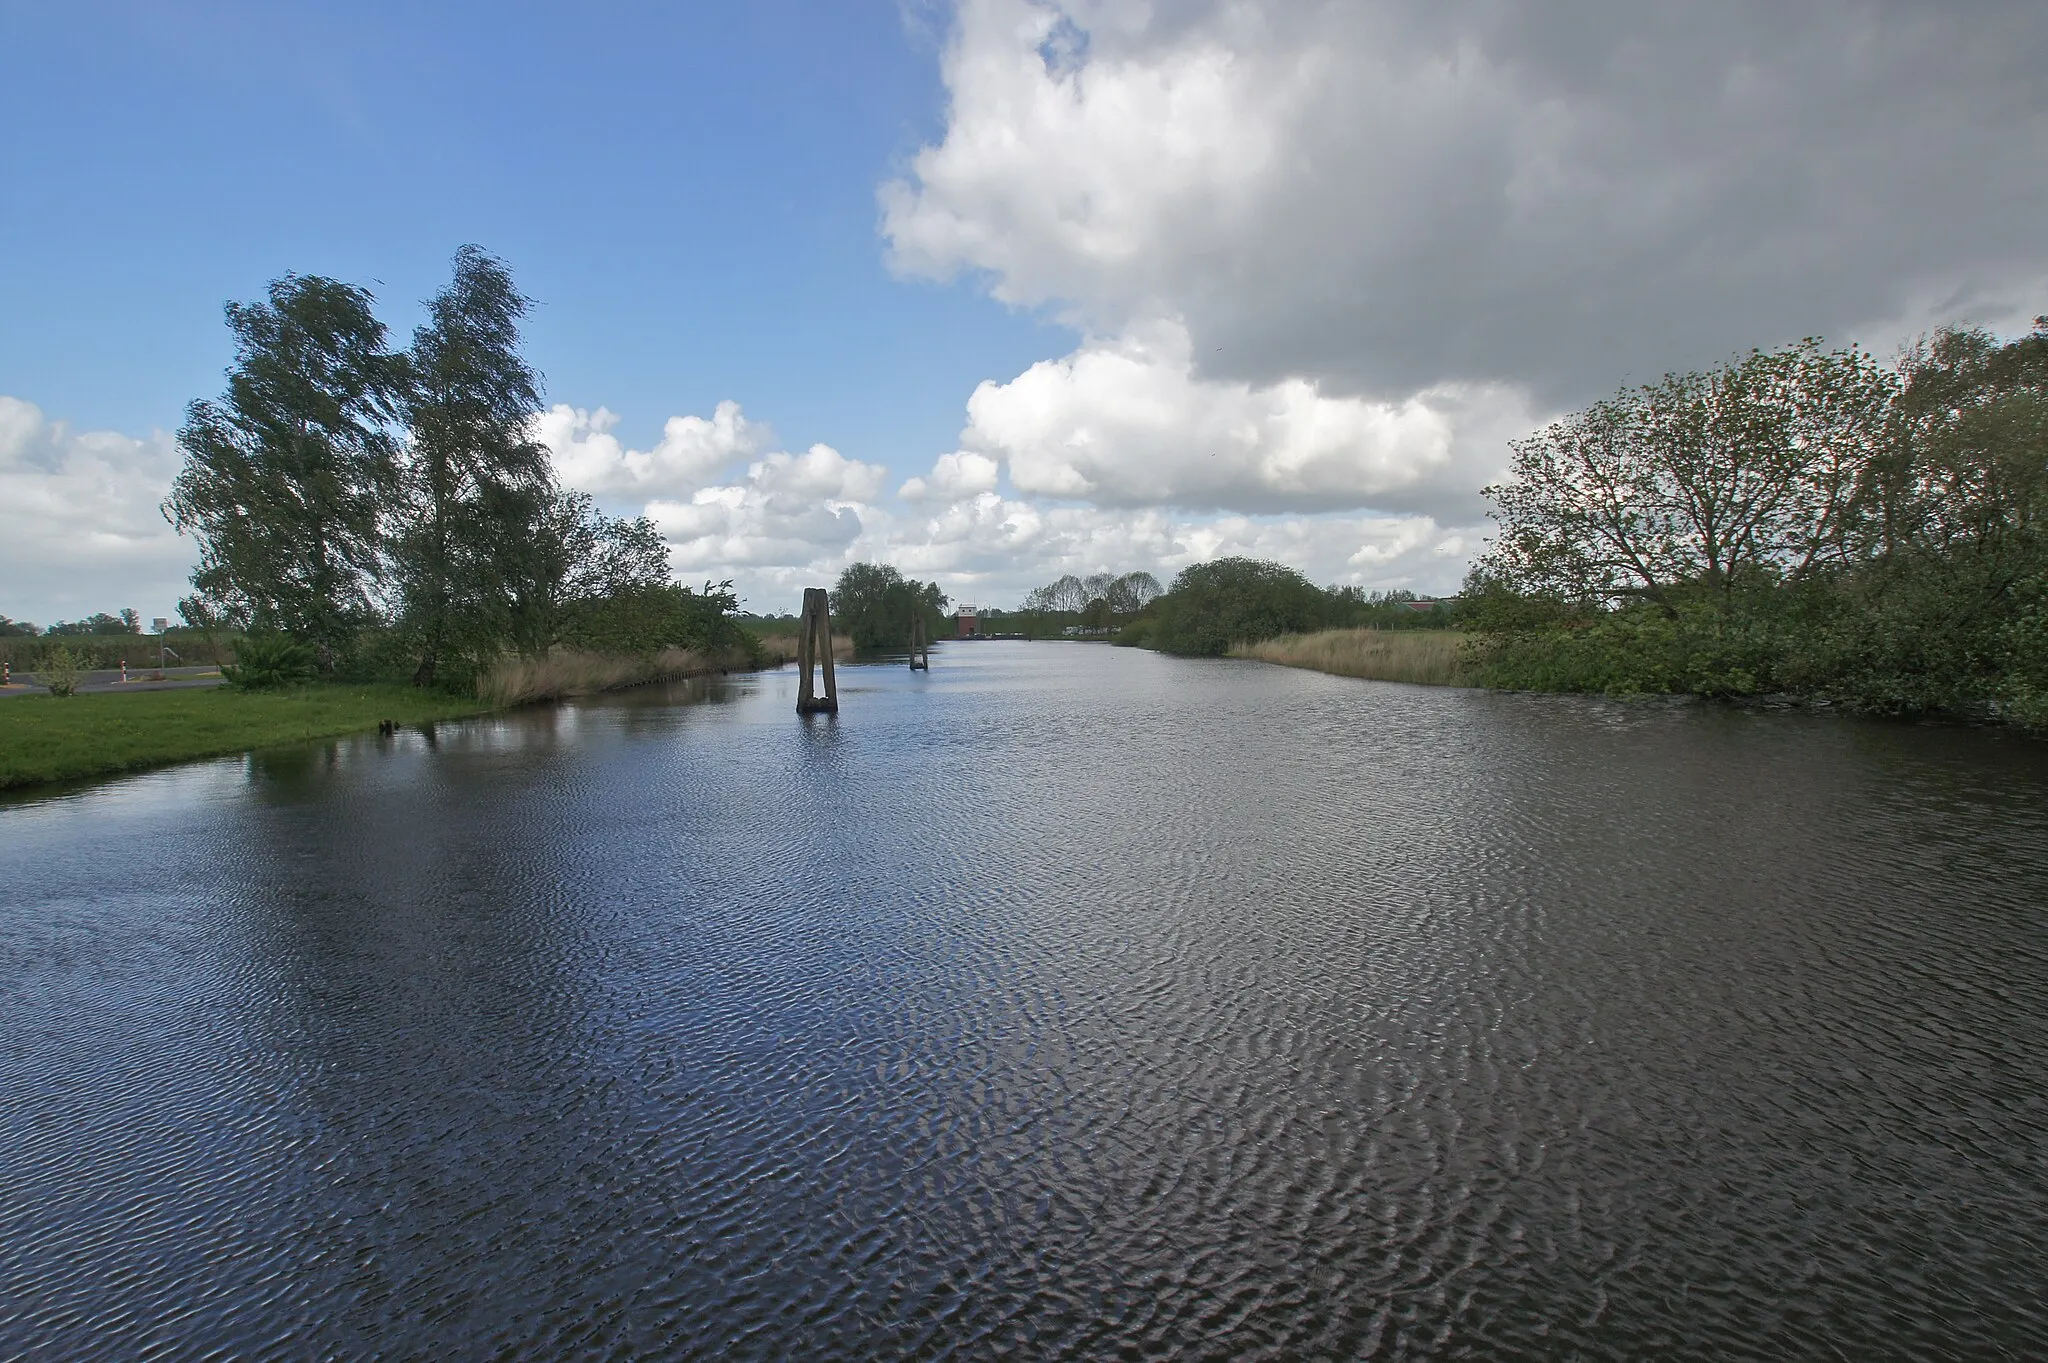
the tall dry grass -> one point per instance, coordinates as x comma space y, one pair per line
565, 672
781, 648
1427, 657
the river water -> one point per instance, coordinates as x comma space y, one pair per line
1064, 1002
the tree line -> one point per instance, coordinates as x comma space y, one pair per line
99, 623
388, 509
1215, 606
1799, 520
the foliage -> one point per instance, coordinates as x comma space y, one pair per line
1137, 634
288, 476
96, 735
1119, 596
1101, 603
1215, 605
1794, 522
394, 512
100, 623
1690, 644
651, 616
1398, 609
875, 604
767, 626
471, 477
1697, 478
571, 558
16, 629
26, 653
267, 662
62, 671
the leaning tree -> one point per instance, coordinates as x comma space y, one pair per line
287, 475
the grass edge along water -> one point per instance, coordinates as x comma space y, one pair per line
50, 738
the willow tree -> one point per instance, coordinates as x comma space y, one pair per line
875, 603
477, 488
287, 476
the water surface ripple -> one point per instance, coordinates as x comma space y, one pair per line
1065, 1002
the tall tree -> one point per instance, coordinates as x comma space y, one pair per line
1697, 480
286, 477
875, 603
477, 485
1133, 592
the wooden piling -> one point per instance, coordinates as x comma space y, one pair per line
920, 642
814, 647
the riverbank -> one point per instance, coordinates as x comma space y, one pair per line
47, 738
1426, 657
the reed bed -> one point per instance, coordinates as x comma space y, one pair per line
781, 648
566, 672
1426, 657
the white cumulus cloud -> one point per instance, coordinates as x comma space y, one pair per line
692, 450
1129, 423
954, 476
80, 529
792, 511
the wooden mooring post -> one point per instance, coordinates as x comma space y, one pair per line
920, 642
813, 648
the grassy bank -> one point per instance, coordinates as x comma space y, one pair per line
45, 738
1428, 657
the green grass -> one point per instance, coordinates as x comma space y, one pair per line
46, 738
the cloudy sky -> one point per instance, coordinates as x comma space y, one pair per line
999, 289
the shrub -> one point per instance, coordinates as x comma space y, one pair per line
62, 671
264, 663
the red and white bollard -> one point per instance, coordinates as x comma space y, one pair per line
124, 669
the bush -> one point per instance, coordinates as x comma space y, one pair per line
62, 671
1694, 645
267, 662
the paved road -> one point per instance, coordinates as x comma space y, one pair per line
108, 680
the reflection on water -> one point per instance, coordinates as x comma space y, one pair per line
1064, 1001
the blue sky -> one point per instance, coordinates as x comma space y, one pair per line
689, 190
994, 289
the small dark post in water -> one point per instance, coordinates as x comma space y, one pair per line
814, 647
920, 642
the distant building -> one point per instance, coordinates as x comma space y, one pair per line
968, 623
